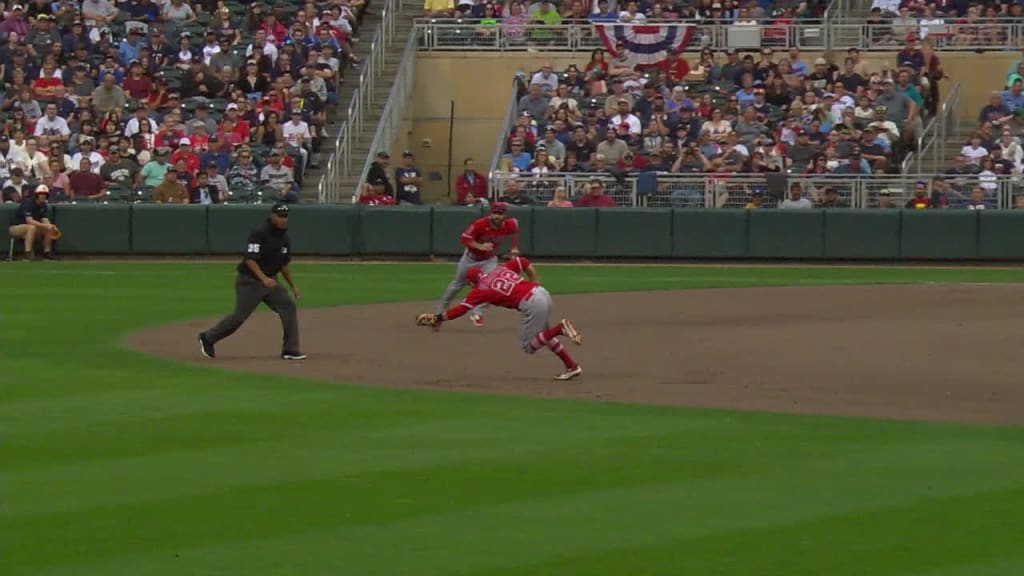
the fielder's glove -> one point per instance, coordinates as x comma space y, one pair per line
432, 320
55, 233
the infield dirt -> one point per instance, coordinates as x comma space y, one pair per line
929, 352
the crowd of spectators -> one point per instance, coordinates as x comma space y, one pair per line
725, 114
177, 101
949, 23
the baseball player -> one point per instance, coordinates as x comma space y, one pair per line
481, 240
504, 286
268, 252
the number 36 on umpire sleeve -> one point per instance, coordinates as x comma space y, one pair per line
253, 249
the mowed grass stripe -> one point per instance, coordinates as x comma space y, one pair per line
538, 516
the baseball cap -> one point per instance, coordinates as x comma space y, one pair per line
232, 106
499, 208
280, 209
383, 155
820, 62
42, 189
407, 154
184, 142
16, 7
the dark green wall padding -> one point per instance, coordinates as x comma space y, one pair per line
344, 230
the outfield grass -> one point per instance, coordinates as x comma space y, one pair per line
115, 463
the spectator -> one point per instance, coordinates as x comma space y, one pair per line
514, 195
974, 151
87, 151
796, 201
408, 179
374, 194
15, 187
204, 192
996, 111
378, 171
470, 182
217, 181
535, 102
560, 199
243, 176
121, 172
920, 199
832, 200
594, 197
171, 191
977, 199
612, 149
85, 184
1013, 98
554, 148
519, 159
546, 79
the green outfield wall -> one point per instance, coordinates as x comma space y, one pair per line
343, 230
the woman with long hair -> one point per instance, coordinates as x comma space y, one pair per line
270, 131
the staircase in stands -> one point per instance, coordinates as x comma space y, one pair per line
361, 149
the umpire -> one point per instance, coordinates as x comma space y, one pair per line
268, 251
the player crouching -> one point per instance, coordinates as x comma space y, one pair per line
505, 287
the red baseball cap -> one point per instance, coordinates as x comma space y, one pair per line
499, 208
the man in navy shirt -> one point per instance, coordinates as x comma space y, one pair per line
31, 220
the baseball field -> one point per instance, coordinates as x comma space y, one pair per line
730, 420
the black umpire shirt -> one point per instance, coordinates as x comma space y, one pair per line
270, 247
29, 208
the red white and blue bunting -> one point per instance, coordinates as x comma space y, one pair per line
648, 44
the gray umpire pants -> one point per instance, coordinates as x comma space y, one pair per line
465, 263
249, 293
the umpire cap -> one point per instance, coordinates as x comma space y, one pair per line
280, 209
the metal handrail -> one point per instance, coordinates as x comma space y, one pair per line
726, 190
836, 33
932, 141
511, 112
339, 165
394, 109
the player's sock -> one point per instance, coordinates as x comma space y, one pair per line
553, 332
539, 341
562, 353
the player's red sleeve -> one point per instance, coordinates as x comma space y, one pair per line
469, 236
475, 298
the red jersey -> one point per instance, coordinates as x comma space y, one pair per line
377, 200
504, 286
481, 231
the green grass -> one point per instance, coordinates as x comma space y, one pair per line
116, 463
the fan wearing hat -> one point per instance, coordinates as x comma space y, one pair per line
409, 180
374, 193
379, 171
87, 151
267, 254
31, 222
185, 153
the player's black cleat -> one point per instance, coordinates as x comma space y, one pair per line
293, 356
206, 347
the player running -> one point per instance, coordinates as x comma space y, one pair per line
481, 240
505, 287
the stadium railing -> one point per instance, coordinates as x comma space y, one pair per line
339, 164
507, 122
455, 34
669, 190
933, 141
394, 110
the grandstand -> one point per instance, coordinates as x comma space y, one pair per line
709, 105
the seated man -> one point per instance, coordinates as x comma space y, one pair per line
31, 221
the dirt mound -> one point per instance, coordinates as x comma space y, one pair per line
937, 352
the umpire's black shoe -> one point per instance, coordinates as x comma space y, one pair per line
49, 256
206, 347
293, 356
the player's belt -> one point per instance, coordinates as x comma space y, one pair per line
527, 298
